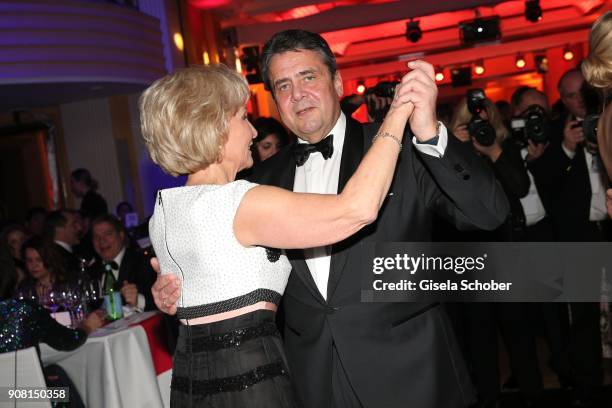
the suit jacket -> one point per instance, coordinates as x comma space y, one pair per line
395, 354
134, 268
565, 188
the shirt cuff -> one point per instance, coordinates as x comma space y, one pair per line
436, 150
141, 303
568, 152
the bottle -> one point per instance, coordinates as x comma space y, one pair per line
112, 298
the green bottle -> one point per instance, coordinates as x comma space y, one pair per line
112, 298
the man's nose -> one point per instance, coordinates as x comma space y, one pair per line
296, 92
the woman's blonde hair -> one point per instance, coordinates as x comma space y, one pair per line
597, 68
185, 116
462, 116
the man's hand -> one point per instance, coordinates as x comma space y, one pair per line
535, 150
166, 290
418, 89
609, 202
129, 291
572, 135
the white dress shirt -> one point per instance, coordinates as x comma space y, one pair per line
64, 245
532, 203
321, 176
598, 211
140, 304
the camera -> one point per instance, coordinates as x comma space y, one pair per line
533, 124
385, 89
478, 128
589, 128
594, 103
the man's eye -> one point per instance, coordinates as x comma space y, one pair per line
309, 78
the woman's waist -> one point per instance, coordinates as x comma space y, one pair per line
230, 319
228, 333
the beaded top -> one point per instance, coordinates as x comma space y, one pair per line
24, 324
193, 236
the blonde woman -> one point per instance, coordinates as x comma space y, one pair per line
216, 232
597, 70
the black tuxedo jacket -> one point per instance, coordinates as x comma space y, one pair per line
135, 268
395, 354
565, 188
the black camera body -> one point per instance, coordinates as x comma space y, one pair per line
589, 127
533, 124
478, 128
385, 89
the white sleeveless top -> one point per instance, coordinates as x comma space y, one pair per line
192, 233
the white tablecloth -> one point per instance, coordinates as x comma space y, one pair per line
113, 369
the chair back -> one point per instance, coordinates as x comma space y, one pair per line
28, 374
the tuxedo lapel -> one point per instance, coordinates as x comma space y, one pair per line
352, 153
125, 268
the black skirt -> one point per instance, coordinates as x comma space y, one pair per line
237, 362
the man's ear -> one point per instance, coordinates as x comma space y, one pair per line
338, 86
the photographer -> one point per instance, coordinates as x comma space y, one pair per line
570, 175
531, 132
478, 122
377, 100
597, 70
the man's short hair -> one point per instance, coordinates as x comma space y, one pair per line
185, 116
565, 75
55, 219
33, 211
109, 219
295, 40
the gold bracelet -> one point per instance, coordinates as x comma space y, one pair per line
387, 134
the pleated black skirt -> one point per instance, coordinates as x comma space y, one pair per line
237, 362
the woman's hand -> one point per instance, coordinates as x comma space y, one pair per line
492, 152
461, 133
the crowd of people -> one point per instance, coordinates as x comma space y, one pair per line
60, 261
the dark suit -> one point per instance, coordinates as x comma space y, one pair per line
134, 268
394, 354
69, 260
566, 185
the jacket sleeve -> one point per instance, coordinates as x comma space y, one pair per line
461, 187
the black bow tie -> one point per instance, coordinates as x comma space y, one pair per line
301, 151
111, 265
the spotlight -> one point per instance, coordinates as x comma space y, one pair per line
568, 55
520, 62
479, 68
533, 11
178, 41
361, 88
439, 74
413, 31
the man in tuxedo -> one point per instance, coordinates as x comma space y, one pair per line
131, 270
62, 228
569, 176
341, 352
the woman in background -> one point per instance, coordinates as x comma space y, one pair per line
44, 270
477, 324
271, 137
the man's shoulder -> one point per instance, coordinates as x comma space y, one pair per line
281, 161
